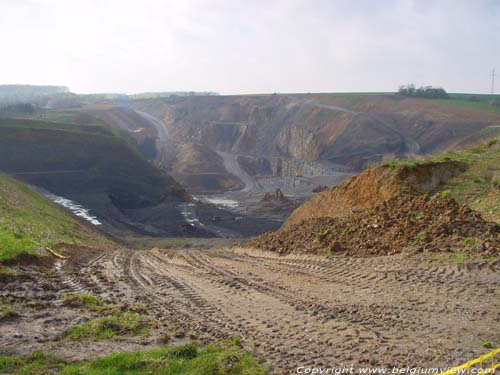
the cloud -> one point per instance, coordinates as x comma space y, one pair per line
238, 46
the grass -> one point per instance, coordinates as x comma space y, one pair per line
459, 257
403, 163
29, 221
223, 358
13, 245
496, 180
7, 310
420, 236
320, 237
111, 326
487, 344
469, 241
476, 185
85, 301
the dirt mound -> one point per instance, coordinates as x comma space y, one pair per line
275, 197
374, 186
402, 223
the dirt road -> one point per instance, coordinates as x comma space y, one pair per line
161, 141
232, 166
305, 310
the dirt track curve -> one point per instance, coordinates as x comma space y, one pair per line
304, 310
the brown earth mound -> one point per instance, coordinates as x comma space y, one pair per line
402, 223
372, 187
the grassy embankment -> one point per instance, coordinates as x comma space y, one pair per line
225, 357
478, 186
29, 221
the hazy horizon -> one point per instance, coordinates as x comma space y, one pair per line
242, 47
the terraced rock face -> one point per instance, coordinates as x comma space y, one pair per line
353, 131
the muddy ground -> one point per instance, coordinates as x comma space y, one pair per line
293, 310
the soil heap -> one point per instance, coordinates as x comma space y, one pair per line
403, 223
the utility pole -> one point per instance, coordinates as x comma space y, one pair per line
493, 81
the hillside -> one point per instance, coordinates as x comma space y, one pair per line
90, 165
402, 205
319, 134
29, 221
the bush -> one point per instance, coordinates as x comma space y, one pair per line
423, 92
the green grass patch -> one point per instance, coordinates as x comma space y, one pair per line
474, 176
85, 301
7, 310
223, 358
111, 326
460, 258
28, 221
4, 271
404, 163
496, 180
320, 237
419, 216
329, 254
35, 364
13, 245
469, 241
420, 236
487, 344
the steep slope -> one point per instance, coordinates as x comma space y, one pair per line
201, 169
90, 165
29, 221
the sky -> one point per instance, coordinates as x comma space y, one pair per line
250, 46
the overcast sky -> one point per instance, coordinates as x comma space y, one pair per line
250, 46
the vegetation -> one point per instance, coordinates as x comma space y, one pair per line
29, 221
460, 257
223, 358
85, 301
7, 310
108, 327
478, 183
469, 241
476, 186
428, 92
487, 344
420, 236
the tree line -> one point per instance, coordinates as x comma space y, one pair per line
422, 92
